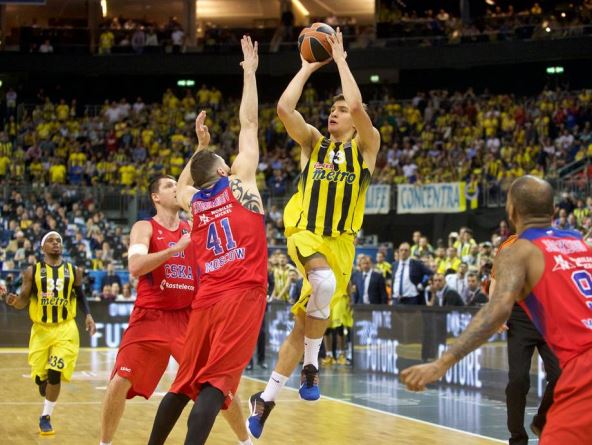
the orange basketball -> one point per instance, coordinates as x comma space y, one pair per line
313, 43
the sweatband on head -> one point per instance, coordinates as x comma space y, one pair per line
48, 234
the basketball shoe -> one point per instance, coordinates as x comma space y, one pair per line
309, 384
45, 428
260, 410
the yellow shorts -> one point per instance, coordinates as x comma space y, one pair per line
339, 253
53, 347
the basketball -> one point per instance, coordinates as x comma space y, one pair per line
313, 43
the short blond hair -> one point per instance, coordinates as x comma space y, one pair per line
342, 97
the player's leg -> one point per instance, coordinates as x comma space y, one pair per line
113, 407
520, 349
54, 385
140, 364
63, 353
169, 410
38, 357
289, 356
323, 284
39, 347
203, 414
235, 418
261, 404
232, 338
553, 371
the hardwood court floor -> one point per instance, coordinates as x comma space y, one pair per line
77, 415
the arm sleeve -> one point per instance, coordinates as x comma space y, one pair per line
82, 302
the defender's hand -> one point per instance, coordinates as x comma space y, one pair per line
201, 130
417, 377
250, 53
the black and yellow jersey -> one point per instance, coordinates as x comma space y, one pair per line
331, 192
52, 299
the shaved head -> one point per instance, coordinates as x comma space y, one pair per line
531, 197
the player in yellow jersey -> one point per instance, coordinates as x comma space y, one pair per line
52, 288
321, 220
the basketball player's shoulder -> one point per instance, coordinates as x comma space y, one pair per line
143, 226
508, 242
246, 193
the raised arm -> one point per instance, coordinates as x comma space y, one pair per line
185, 188
304, 134
247, 160
368, 136
140, 262
511, 265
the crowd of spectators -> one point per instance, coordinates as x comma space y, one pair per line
120, 35
90, 240
398, 20
485, 140
450, 272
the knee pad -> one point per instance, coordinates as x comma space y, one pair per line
53, 377
38, 381
323, 285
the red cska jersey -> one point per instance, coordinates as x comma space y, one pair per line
171, 285
560, 305
229, 244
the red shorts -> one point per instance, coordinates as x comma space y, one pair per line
151, 337
220, 342
569, 420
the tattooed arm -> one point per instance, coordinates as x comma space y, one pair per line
511, 269
246, 196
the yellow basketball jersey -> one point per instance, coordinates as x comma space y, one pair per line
52, 299
331, 192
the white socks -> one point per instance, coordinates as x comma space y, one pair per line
109, 443
242, 442
48, 407
311, 351
274, 386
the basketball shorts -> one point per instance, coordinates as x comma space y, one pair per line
569, 421
339, 253
151, 337
220, 342
53, 346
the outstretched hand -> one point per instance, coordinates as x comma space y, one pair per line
250, 53
417, 377
201, 130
